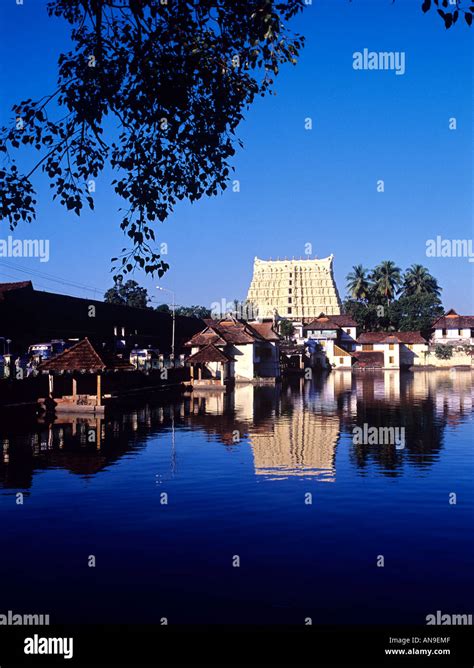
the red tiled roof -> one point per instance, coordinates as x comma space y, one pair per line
235, 332
409, 337
82, 356
331, 322
391, 337
452, 320
209, 354
231, 331
265, 330
204, 338
322, 323
10, 287
343, 320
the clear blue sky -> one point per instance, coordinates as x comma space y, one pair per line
297, 186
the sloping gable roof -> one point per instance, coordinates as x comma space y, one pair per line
232, 331
11, 287
331, 322
208, 335
82, 356
452, 320
343, 320
209, 354
322, 324
391, 337
265, 330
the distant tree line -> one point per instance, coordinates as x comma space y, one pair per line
129, 293
190, 311
384, 298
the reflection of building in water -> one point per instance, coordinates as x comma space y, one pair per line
244, 401
452, 391
299, 444
377, 385
83, 445
212, 402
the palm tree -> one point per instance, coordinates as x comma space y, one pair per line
387, 278
358, 283
417, 280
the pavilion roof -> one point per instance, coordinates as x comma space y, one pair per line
209, 354
82, 356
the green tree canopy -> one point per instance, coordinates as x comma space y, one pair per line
386, 279
412, 313
194, 311
370, 317
286, 328
127, 294
417, 280
358, 283
163, 308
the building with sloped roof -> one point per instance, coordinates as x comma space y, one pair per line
234, 350
331, 340
391, 350
454, 328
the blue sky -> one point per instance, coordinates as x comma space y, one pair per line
297, 186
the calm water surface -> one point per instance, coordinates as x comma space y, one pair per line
238, 471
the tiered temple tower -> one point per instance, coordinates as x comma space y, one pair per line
297, 289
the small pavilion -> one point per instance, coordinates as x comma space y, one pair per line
210, 366
77, 361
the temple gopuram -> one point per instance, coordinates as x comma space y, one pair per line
298, 290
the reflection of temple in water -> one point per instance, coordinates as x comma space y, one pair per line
300, 444
293, 429
287, 437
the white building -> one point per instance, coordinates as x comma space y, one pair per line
331, 341
453, 328
391, 350
231, 349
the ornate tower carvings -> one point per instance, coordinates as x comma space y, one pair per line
297, 289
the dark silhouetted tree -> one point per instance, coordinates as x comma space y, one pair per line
449, 11
156, 90
194, 311
127, 294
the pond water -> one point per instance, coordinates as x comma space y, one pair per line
259, 506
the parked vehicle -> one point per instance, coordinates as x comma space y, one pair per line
38, 352
145, 358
